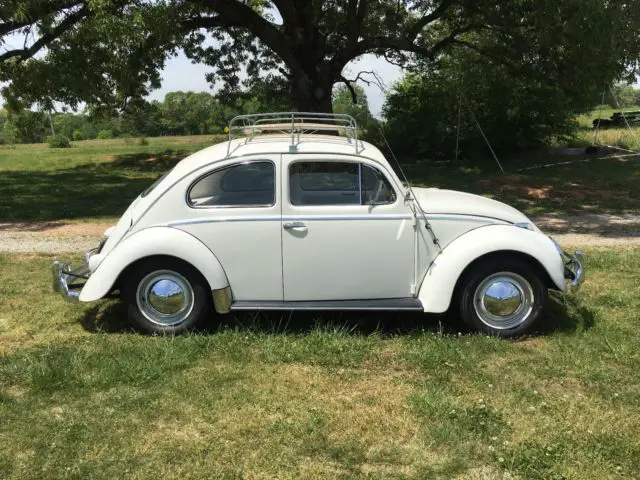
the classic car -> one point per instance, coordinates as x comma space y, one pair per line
295, 212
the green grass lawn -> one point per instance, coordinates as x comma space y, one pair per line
342, 396
97, 179
618, 137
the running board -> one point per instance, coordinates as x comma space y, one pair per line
383, 304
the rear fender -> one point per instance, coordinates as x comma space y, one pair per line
439, 283
150, 242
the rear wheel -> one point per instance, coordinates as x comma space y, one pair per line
166, 296
502, 297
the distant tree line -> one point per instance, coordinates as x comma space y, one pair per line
427, 113
180, 113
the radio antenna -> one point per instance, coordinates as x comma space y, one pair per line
413, 195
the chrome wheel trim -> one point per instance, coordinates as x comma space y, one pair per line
504, 300
165, 298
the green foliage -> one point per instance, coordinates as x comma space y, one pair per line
9, 133
104, 134
515, 112
67, 124
109, 52
343, 103
58, 141
143, 142
79, 135
30, 126
625, 96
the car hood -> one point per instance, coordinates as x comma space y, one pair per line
450, 202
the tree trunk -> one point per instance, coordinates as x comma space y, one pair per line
312, 93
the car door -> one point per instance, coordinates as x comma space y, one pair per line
347, 233
234, 209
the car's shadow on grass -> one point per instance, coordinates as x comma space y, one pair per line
563, 315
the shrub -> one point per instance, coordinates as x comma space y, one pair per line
79, 135
58, 141
104, 134
143, 141
424, 109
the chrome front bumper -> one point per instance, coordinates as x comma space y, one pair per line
573, 268
67, 281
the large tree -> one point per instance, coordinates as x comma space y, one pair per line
108, 51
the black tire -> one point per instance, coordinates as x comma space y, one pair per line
195, 310
474, 312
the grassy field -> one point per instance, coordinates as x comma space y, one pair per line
345, 396
94, 179
617, 137
97, 179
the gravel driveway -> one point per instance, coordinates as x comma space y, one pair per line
586, 230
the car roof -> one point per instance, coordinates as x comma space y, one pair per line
280, 144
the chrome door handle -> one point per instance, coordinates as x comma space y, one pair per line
294, 226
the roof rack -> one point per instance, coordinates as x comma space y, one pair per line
294, 124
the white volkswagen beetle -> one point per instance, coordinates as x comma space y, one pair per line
285, 218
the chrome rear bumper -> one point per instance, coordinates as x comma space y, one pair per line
67, 282
573, 268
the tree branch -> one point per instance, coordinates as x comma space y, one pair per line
354, 95
37, 13
356, 14
286, 9
377, 81
408, 45
437, 13
69, 22
238, 14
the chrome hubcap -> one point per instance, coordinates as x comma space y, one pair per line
165, 297
503, 300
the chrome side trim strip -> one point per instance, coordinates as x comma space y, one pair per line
287, 218
390, 304
463, 218
244, 218
323, 218
381, 216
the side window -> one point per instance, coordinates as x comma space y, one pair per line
324, 183
375, 187
249, 184
337, 183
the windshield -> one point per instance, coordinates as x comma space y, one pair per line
154, 185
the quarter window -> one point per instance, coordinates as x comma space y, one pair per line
337, 183
243, 185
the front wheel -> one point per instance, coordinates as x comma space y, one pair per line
502, 297
165, 296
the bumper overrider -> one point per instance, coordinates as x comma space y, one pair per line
69, 281
573, 268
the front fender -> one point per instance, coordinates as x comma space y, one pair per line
149, 242
440, 280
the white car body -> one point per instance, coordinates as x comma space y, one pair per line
408, 253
